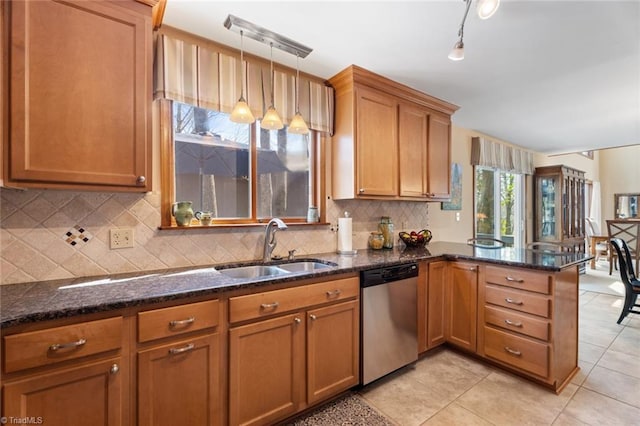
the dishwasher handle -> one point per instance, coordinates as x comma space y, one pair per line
389, 274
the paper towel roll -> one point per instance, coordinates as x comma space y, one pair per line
344, 234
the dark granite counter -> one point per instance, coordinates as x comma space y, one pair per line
40, 301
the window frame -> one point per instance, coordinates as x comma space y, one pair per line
519, 206
167, 177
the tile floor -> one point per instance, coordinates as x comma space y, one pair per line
448, 388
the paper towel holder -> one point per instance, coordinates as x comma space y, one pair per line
344, 252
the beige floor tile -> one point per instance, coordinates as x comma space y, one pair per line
614, 384
589, 352
566, 420
624, 363
596, 409
454, 414
598, 334
504, 399
581, 375
628, 341
403, 400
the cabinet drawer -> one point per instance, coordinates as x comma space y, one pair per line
519, 300
521, 279
177, 320
516, 351
520, 323
37, 348
267, 303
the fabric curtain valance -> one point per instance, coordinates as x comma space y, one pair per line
500, 156
199, 75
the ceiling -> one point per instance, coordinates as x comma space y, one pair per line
552, 76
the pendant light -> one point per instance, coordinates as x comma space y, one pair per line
241, 112
271, 120
298, 125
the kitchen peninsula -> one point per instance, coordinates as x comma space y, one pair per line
514, 308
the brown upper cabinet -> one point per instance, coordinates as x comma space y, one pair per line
390, 141
79, 84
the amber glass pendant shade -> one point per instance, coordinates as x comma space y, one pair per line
298, 125
242, 113
271, 120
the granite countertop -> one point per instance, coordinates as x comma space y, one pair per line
46, 300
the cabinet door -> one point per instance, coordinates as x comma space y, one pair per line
437, 285
461, 305
266, 370
179, 380
333, 355
89, 394
377, 143
412, 146
439, 158
80, 82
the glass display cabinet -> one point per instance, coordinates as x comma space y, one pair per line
559, 206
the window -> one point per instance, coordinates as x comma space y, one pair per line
241, 173
499, 205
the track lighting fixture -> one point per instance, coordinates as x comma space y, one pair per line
485, 9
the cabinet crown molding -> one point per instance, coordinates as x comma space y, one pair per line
355, 74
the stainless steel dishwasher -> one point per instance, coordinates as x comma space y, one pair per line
389, 335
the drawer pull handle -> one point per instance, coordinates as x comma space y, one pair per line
187, 321
187, 348
313, 317
297, 320
472, 268
515, 324
269, 305
114, 369
514, 280
512, 351
333, 293
514, 302
76, 344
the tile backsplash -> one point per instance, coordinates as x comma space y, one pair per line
52, 234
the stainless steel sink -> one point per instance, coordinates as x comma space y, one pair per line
304, 266
254, 271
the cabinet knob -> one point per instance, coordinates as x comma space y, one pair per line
114, 369
361, 190
297, 320
141, 180
313, 317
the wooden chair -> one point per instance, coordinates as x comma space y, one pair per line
628, 277
628, 230
486, 242
598, 244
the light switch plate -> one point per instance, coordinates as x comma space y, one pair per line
120, 238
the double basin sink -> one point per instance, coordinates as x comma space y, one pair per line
267, 271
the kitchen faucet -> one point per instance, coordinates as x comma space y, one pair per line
270, 237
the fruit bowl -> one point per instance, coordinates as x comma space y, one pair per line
415, 239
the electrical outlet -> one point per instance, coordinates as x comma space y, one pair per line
120, 238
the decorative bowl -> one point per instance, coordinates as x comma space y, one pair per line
416, 239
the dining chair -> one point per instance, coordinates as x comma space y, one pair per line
486, 242
597, 243
627, 230
628, 277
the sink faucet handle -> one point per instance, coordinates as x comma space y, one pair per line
291, 254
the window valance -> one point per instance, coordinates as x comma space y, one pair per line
200, 75
500, 156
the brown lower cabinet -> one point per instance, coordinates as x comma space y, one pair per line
521, 319
83, 394
461, 299
281, 364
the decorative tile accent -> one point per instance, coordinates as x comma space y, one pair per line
77, 235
